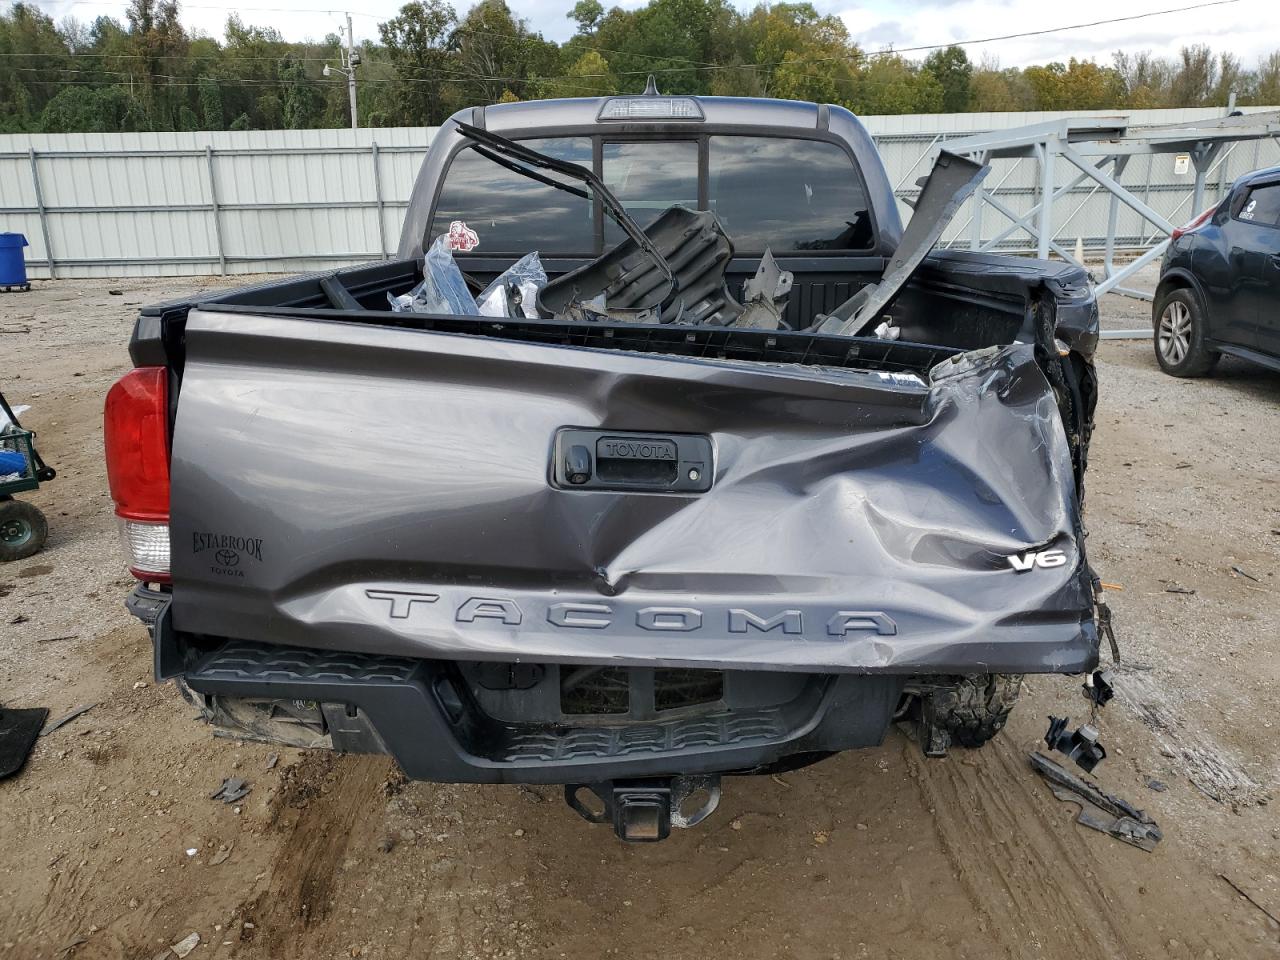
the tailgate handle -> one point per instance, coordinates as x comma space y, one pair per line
628, 460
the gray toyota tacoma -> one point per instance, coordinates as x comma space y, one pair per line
748, 475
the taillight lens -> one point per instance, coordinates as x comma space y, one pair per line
135, 428
1193, 225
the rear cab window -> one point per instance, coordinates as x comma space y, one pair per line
647, 177
789, 194
511, 213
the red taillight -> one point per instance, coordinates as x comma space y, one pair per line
1193, 225
135, 428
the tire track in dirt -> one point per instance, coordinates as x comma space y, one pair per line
1030, 885
331, 803
1038, 880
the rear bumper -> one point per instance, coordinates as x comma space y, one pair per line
418, 711
413, 710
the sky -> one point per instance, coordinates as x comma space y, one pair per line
1248, 28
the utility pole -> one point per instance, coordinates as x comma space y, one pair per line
350, 60
353, 60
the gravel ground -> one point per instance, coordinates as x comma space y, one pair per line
113, 849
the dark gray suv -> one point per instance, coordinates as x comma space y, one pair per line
1219, 288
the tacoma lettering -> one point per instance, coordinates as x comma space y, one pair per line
791, 621
585, 615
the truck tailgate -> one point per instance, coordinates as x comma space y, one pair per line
366, 488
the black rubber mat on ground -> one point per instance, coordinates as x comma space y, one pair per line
18, 732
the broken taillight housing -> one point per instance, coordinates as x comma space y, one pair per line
135, 430
1193, 225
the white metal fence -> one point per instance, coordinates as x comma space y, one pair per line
156, 204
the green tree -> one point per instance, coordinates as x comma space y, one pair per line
159, 46
1267, 87
891, 84
34, 58
1077, 85
211, 112
996, 90
1194, 78
952, 69
249, 73
416, 42
83, 109
145, 71
1145, 79
303, 102
675, 40
587, 14
1230, 78
498, 53
589, 76
800, 55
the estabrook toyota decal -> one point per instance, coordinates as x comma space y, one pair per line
228, 551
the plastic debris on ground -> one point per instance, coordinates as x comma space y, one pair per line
186, 945
18, 732
13, 463
515, 292
18, 411
443, 288
1101, 811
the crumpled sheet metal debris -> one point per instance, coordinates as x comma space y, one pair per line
232, 789
946, 188
764, 296
1099, 811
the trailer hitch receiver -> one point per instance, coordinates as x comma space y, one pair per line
644, 810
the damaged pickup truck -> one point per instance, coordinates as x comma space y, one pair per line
660, 453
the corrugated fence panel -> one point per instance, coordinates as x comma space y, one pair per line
182, 203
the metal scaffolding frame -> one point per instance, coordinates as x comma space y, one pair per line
1099, 149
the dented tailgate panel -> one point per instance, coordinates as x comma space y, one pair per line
358, 487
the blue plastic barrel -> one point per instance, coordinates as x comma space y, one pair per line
13, 265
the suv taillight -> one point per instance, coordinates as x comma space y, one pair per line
135, 429
1194, 225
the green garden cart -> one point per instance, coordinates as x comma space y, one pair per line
23, 528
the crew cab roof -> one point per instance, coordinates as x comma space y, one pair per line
509, 118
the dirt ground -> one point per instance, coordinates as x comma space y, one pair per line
110, 846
